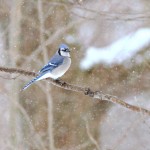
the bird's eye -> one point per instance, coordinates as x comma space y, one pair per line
62, 49
65, 49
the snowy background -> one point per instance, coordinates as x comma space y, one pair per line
119, 52
110, 50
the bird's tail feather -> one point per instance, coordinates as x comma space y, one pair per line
31, 82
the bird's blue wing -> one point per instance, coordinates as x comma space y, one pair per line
48, 67
54, 62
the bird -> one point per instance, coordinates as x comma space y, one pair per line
56, 67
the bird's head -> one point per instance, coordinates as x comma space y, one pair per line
64, 50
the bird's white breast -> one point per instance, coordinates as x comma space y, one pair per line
59, 71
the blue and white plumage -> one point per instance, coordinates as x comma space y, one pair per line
56, 66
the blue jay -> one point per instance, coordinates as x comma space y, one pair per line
56, 66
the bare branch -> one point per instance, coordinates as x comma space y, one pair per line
52, 38
107, 15
10, 78
87, 91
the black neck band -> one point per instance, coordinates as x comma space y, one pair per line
59, 52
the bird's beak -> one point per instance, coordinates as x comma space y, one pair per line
67, 50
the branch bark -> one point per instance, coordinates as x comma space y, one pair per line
87, 91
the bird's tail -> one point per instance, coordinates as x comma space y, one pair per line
31, 82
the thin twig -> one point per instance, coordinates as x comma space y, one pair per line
91, 137
32, 129
87, 91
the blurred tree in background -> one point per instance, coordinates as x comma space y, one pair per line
47, 117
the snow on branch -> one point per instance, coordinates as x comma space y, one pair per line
87, 91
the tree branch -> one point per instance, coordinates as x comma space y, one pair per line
87, 91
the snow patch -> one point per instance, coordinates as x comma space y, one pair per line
116, 53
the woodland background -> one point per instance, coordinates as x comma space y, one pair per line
47, 117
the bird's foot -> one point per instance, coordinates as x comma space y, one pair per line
60, 82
